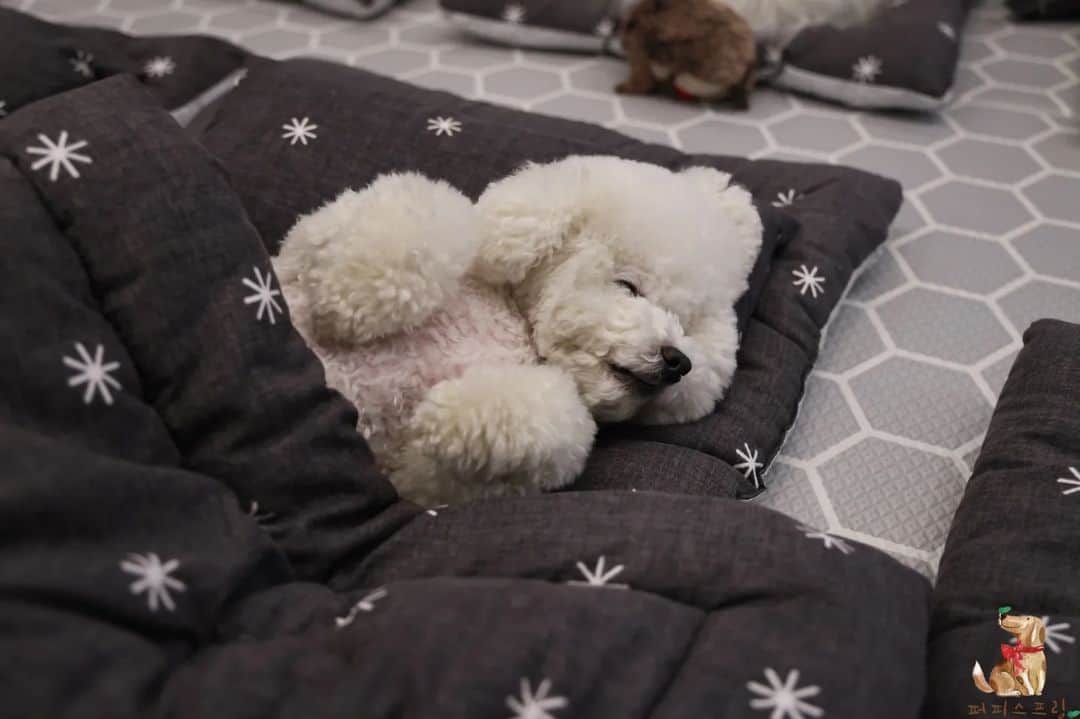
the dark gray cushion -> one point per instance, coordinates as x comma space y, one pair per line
1044, 9
904, 58
1015, 536
39, 59
331, 598
171, 261
369, 125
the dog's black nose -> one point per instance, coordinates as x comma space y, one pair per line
676, 364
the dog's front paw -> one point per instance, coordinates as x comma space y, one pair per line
497, 430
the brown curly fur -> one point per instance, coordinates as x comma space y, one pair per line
704, 38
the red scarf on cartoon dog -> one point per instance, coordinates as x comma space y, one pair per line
1015, 653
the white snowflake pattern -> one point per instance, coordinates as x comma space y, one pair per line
599, 576
947, 30
809, 279
82, 63
299, 130
159, 66
535, 705
1056, 636
154, 579
514, 12
749, 465
57, 155
828, 540
1074, 482
366, 604
260, 517
443, 126
605, 28
866, 69
785, 698
784, 199
94, 372
264, 294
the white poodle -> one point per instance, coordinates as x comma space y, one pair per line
776, 22
481, 344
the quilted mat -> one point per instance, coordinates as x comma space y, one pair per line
921, 345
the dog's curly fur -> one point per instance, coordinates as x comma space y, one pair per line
481, 344
708, 48
698, 47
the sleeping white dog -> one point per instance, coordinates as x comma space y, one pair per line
481, 344
776, 22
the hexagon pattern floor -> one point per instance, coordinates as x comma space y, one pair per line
988, 240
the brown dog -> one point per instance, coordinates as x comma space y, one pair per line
1022, 672
700, 48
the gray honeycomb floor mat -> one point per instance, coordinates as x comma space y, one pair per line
988, 239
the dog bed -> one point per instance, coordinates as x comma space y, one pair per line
293, 134
194, 527
368, 125
1014, 538
903, 59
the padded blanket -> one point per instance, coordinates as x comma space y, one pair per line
194, 528
355, 125
1014, 539
905, 58
368, 125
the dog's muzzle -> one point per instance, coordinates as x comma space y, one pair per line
676, 365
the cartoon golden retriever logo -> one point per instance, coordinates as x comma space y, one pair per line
1022, 669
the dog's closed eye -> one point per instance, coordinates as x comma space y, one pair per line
629, 286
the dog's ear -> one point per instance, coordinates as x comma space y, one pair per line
526, 217
744, 242
1036, 633
710, 180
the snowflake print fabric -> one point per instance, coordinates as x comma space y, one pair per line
809, 280
784, 699
1071, 483
264, 296
599, 575
93, 374
153, 578
83, 64
540, 703
867, 69
444, 126
57, 155
515, 13
300, 130
274, 548
749, 464
159, 67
